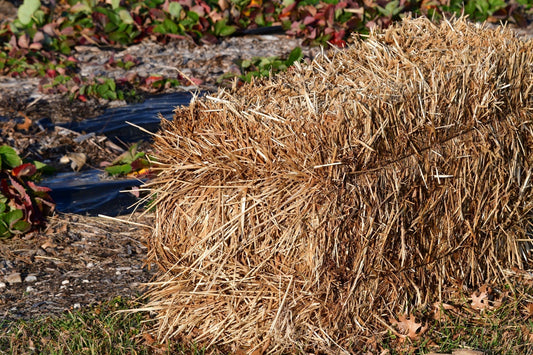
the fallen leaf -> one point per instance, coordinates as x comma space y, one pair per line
480, 299
408, 326
77, 160
26, 125
48, 244
528, 309
148, 339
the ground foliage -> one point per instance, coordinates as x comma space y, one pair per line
306, 211
42, 38
24, 205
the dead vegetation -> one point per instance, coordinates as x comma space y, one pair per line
300, 212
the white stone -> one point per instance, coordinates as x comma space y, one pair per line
77, 306
30, 278
29, 289
2, 285
89, 265
65, 282
85, 281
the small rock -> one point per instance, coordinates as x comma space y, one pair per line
30, 278
85, 281
13, 278
2, 285
29, 289
89, 265
77, 306
65, 282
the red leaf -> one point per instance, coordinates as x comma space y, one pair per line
309, 20
27, 169
152, 79
36, 46
38, 188
51, 73
24, 41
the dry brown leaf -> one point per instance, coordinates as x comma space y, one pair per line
408, 326
528, 309
77, 160
480, 299
26, 125
148, 339
48, 244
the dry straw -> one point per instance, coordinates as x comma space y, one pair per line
296, 211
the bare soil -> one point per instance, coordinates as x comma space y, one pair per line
75, 261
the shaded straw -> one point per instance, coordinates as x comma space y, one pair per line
295, 212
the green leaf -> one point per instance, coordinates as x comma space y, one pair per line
8, 157
174, 9
193, 16
119, 169
26, 10
125, 16
21, 226
260, 20
222, 29
11, 217
294, 56
170, 26
102, 90
2, 207
111, 84
115, 4
4, 231
227, 30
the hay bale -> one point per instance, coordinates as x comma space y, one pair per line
291, 212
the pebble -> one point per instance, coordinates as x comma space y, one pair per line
30, 278
29, 289
65, 282
13, 278
85, 281
89, 265
2, 285
77, 306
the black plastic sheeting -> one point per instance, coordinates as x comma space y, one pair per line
112, 123
92, 192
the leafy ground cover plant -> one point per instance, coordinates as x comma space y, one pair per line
263, 66
23, 204
131, 163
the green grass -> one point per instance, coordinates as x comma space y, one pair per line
507, 329
100, 329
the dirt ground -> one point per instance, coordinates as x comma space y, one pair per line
79, 260
75, 261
